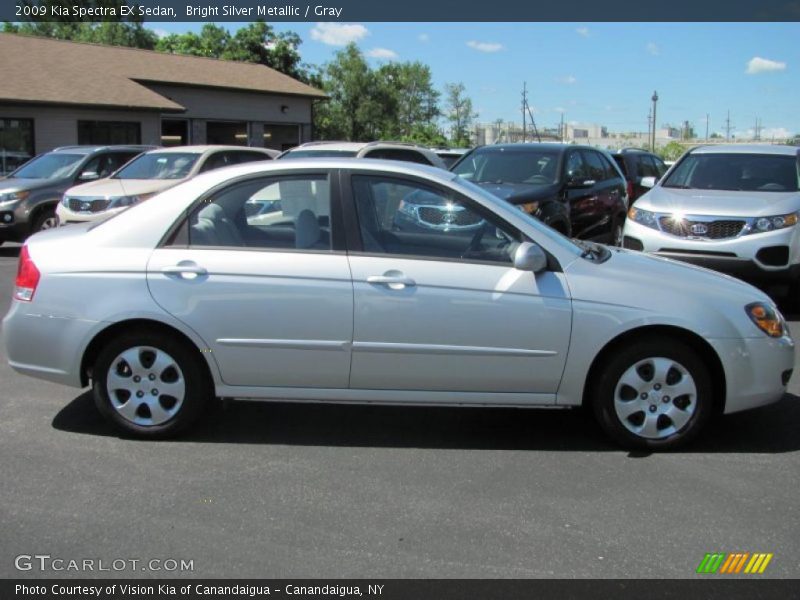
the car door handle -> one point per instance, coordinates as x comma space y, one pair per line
393, 281
185, 269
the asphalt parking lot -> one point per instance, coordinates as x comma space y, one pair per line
290, 491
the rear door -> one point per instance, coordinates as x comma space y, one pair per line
258, 270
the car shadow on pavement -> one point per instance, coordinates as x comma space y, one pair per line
772, 429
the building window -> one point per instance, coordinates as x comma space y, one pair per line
16, 143
228, 133
281, 137
174, 132
109, 132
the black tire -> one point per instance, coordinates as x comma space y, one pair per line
45, 219
654, 407
186, 369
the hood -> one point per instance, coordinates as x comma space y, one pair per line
16, 185
109, 187
719, 202
519, 193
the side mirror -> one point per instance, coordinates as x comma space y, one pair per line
577, 183
648, 182
530, 257
89, 176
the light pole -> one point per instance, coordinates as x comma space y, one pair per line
653, 141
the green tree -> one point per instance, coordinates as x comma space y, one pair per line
458, 111
113, 30
410, 100
672, 151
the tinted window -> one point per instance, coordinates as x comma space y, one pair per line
54, 165
740, 172
620, 160
398, 154
595, 165
109, 132
661, 168
16, 143
280, 213
159, 165
320, 154
401, 217
611, 168
536, 166
576, 169
645, 167
242, 156
105, 164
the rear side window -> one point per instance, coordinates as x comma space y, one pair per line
645, 167
620, 160
595, 165
285, 213
576, 168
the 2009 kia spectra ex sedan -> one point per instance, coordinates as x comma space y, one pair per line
202, 294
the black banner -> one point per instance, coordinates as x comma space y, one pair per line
405, 11
407, 589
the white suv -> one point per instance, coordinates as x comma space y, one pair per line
732, 208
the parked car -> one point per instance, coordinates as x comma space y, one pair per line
733, 208
30, 194
576, 190
386, 150
148, 175
329, 303
642, 169
450, 155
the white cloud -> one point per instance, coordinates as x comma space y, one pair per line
485, 46
652, 48
568, 79
763, 65
582, 31
338, 34
560, 109
382, 53
424, 38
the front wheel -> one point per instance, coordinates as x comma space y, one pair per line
46, 219
150, 385
654, 395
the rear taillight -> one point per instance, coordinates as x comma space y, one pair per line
27, 277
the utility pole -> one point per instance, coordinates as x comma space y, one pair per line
757, 130
524, 103
649, 125
728, 127
706, 126
655, 102
561, 128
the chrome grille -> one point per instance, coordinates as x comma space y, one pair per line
447, 217
87, 204
713, 230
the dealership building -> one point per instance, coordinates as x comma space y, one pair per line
57, 93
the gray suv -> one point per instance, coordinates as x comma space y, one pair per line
30, 194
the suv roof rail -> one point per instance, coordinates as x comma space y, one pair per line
95, 148
393, 143
634, 149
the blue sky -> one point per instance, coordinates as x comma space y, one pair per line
602, 73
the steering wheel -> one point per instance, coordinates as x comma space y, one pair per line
475, 242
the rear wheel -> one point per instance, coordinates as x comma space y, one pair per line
656, 394
150, 385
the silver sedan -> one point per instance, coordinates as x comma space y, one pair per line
199, 293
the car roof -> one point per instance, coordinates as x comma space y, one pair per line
346, 146
201, 149
93, 149
533, 146
776, 149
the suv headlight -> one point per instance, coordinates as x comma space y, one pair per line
764, 224
643, 217
64, 200
767, 319
14, 196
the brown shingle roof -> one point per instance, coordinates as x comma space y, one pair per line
38, 69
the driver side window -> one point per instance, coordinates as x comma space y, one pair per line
403, 217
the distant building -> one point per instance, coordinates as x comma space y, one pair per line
56, 93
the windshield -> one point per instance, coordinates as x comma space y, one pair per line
320, 154
736, 172
55, 165
533, 166
159, 165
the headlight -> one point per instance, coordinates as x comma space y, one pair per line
766, 318
120, 201
764, 224
643, 217
64, 200
14, 196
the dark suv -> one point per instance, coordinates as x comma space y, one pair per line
30, 194
638, 166
577, 190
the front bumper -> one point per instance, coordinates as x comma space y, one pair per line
756, 370
67, 216
770, 256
